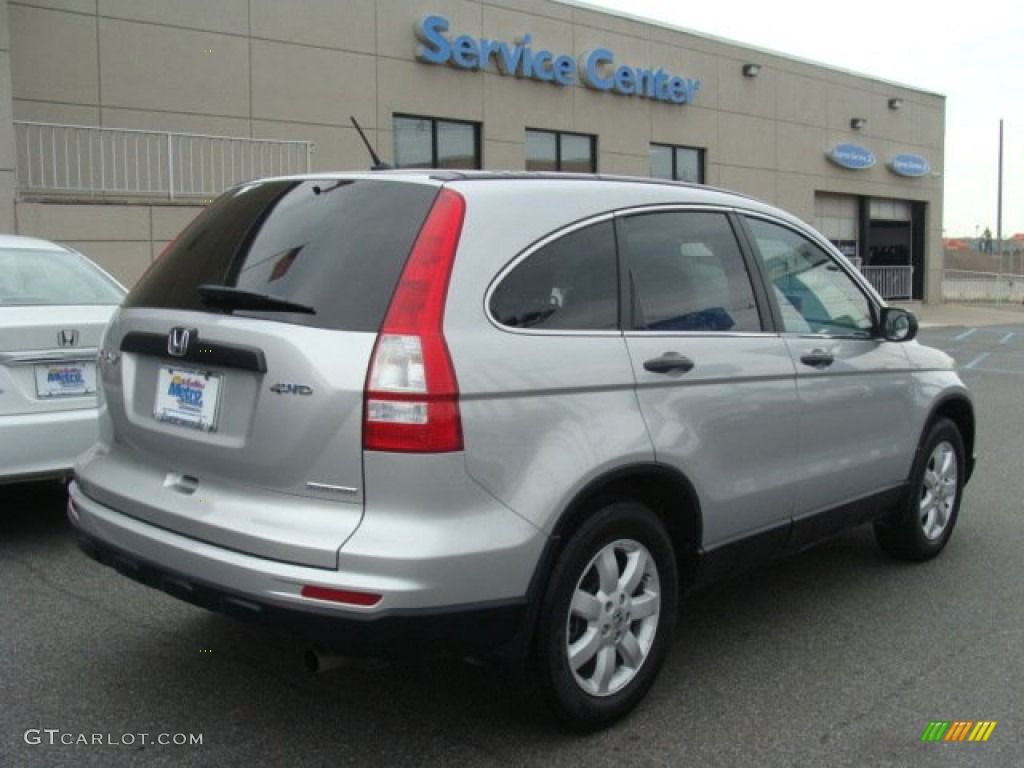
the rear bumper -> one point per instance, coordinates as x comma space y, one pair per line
458, 630
432, 598
41, 445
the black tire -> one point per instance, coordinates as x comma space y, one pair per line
921, 529
630, 625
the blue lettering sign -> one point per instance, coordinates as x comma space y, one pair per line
435, 48
596, 69
592, 66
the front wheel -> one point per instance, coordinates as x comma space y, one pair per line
608, 615
924, 526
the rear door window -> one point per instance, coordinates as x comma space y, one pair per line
335, 246
685, 272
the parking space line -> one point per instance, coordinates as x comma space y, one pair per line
976, 361
965, 334
1007, 338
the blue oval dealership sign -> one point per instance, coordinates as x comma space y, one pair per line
909, 165
852, 156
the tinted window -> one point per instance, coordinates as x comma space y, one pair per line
568, 284
336, 246
677, 163
813, 292
53, 277
686, 273
424, 142
556, 151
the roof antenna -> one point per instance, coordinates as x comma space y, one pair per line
378, 164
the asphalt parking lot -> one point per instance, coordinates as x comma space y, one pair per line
836, 657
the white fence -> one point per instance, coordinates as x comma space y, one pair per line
891, 282
982, 287
76, 159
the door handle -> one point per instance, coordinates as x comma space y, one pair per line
818, 358
669, 362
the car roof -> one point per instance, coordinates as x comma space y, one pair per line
437, 175
30, 243
645, 189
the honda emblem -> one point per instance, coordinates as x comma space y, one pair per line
67, 337
178, 339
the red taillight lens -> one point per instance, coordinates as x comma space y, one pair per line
412, 396
341, 595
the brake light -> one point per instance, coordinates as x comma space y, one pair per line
411, 401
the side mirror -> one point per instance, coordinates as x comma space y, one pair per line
898, 324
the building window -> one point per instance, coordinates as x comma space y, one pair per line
556, 151
426, 142
677, 163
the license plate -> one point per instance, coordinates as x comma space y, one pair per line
187, 397
65, 379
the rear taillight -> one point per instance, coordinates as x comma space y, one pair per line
411, 402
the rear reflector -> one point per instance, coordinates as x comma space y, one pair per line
412, 396
341, 596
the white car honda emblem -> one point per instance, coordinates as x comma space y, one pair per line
67, 337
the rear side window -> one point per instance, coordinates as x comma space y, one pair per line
569, 284
335, 246
686, 273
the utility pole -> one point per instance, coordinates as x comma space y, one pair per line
999, 201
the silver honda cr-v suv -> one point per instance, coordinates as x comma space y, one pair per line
410, 412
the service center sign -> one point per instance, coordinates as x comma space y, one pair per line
595, 69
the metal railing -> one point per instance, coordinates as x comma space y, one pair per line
962, 286
891, 282
78, 159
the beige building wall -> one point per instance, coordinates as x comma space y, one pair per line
7, 152
124, 239
299, 69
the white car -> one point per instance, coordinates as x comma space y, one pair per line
54, 306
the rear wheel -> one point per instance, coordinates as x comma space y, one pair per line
924, 526
606, 622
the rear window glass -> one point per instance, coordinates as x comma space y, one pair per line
39, 277
335, 246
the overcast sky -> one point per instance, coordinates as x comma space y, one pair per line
972, 53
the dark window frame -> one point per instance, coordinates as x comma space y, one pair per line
558, 146
701, 160
434, 121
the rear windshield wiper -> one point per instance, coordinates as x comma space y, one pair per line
226, 297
